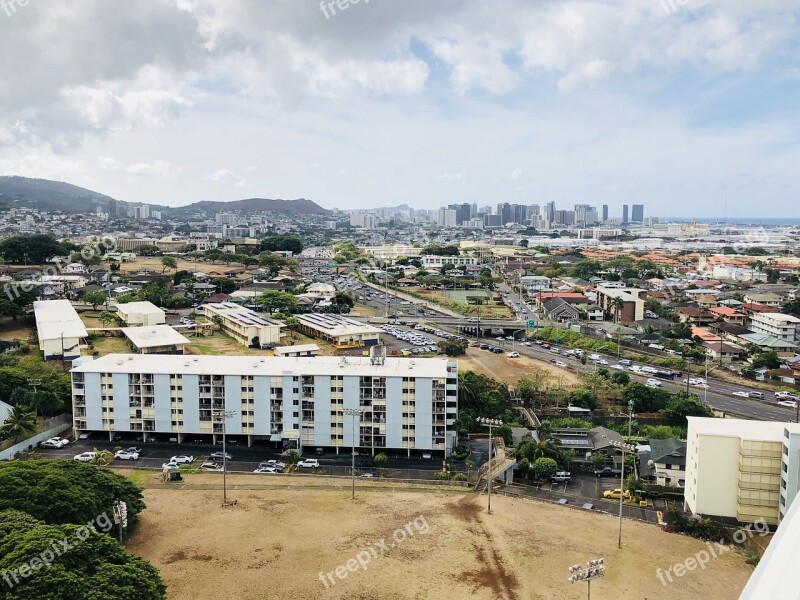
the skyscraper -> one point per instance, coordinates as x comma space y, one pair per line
550, 211
624, 213
637, 213
605, 213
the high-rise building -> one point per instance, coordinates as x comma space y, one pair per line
550, 211
464, 213
533, 211
624, 213
637, 213
505, 213
473, 210
584, 215
564, 217
519, 213
605, 213
446, 217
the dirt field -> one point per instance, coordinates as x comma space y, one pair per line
500, 366
276, 543
153, 263
21, 329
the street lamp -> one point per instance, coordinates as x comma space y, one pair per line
353, 412
221, 416
594, 569
625, 448
490, 423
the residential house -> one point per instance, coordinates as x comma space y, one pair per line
722, 352
766, 298
729, 315
666, 462
559, 311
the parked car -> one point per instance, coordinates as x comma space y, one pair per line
125, 455
211, 466
616, 493
607, 472
426, 455
308, 463
170, 464
220, 456
134, 449
561, 477
513, 355
182, 458
85, 456
54, 442
266, 470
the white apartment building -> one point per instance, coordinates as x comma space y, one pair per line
783, 327
59, 329
535, 283
243, 324
408, 404
439, 261
735, 468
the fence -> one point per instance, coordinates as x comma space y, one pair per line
56, 425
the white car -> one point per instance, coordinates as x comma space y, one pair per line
182, 458
211, 466
560, 363
618, 367
85, 456
266, 470
741, 394
55, 442
653, 383
170, 465
126, 455
513, 355
788, 403
308, 463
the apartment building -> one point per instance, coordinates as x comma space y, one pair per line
243, 324
625, 304
136, 314
783, 327
440, 261
735, 469
408, 404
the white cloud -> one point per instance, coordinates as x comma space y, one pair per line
516, 173
223, 176
158, 168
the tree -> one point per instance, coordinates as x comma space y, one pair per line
282, 243
96, 565
19, 422
523, 466
30, 249
168, 262
768, 360
94, 298
544, 468
453, 347
621, 378
275, 301
584, 398
680, 406
226, 285
599, 460
342, 303
102, 457
46, 403
22, 397
107, 318
380, 460
617, 304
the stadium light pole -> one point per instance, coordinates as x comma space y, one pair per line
352, 412
594, 570
221, 416
625, 448
490, 423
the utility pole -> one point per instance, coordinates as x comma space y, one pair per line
221, 416
490, 423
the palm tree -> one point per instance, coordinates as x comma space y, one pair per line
467, 389
545, 447
21, 421
617, 304
102, 457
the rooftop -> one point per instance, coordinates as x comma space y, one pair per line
57, 318
336, 325
742, 428
154, 336
240, 315
263, 365
146, 308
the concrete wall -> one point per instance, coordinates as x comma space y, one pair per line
34, 441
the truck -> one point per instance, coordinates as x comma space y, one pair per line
561, 477
607, 472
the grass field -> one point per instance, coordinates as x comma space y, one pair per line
282, 541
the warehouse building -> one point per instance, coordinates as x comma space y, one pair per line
409, 405
338, 330
59, 329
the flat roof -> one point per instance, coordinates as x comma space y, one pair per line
298, 348
336, 325
240, 314
55, 318
264, 365
742, 428
151, 336
145, 308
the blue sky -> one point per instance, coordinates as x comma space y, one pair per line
410, 101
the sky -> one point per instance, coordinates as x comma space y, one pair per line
686, 106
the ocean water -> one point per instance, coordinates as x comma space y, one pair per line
767, 221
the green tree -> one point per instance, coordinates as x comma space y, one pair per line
523, 466
380, 460
453, 347
275, 301
226, 285
584, 398
46, 403
107, 318
168, 262
342, 303
282, 243
102, 457
19, 422
22, 397
95, 567
94, 298
679, 406
544, 468
620, 378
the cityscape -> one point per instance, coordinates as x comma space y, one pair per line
456, 303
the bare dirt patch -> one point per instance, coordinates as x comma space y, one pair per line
275, 543
500, 366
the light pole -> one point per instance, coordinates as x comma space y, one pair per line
353, 412
594, 570
490, 423
625, 448
221, 416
